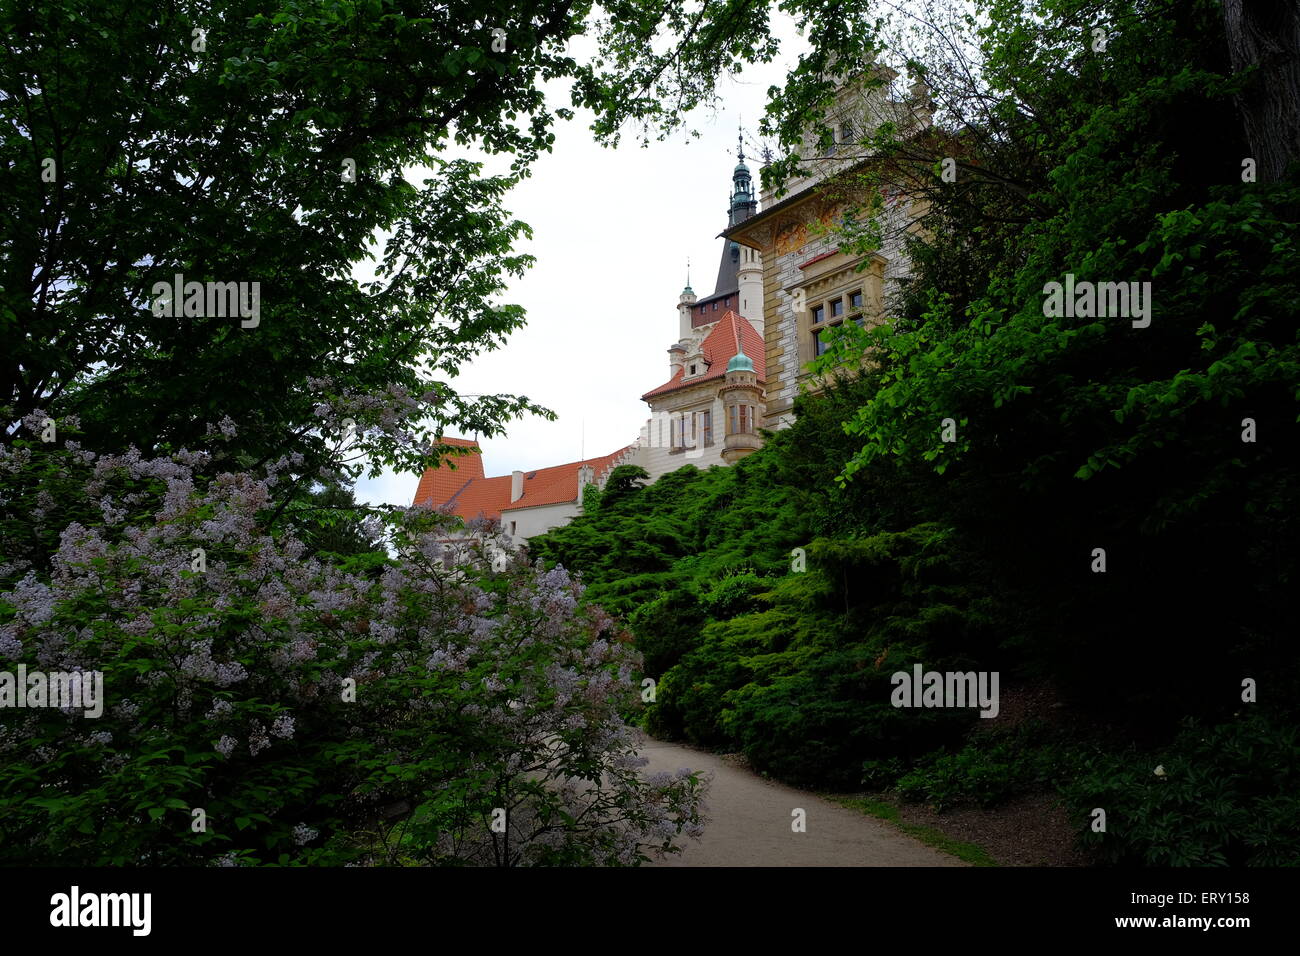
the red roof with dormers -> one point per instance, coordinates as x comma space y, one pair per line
470, 493
723, 341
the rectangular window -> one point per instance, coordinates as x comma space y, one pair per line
746, 419
731, 420
672, 428
819, 343
706, 426
855, 300
818, 314
837, 307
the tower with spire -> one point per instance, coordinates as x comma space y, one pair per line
685, 304
740, 273
748, 262
710, 409
744, 201
739, 282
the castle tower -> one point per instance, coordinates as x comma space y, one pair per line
684, 303
749, 262
742, 204
719, 350
739, 286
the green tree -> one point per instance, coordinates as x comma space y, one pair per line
241, 142
1078, 433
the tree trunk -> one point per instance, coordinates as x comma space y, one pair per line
1265, 34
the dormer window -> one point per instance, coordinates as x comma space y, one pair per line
692, 369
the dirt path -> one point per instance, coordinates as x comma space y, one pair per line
750, 823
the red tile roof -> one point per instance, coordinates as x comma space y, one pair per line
453, 474
722, 342
470, 494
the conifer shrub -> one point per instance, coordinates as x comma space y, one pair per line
802, 685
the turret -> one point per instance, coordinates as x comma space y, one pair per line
684, 303
742, 400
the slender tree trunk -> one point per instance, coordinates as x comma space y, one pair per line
1265, 34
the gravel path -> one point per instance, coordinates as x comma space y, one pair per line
750, 823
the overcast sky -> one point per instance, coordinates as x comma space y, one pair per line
612, 229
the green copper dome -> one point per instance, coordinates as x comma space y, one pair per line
740, 363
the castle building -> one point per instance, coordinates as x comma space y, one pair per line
712, 406
810, 285
707, 413
526, 503
742, 352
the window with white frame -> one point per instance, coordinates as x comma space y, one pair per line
831, 313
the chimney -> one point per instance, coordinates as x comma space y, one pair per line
516, 486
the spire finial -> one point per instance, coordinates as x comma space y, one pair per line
740, 140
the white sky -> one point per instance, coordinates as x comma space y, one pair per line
612, 230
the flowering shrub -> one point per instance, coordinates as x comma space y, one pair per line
264, 704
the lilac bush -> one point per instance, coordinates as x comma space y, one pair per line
268, 704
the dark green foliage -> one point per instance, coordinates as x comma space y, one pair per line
802, 683
622, 482
1077, 433
329, 522
988, 769
1229, 795
668, 625
732, 595
1116, 165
